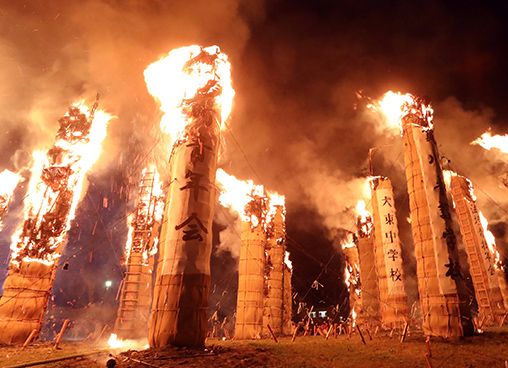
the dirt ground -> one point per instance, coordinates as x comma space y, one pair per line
489, 349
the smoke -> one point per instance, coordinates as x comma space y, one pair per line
229, 237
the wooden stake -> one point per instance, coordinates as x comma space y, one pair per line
271, 332
102, 333
427, 358
391, 333
349, 331
27, 341
90, 336
427, 342
403, 337
368, 333
294, 333
329, 330
340, 329
502, 320
361, 335
64, 326
376, 331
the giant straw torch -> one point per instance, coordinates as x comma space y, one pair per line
444, 298
193, 86
54, 192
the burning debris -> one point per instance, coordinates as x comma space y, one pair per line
50, 207
193, 85
8, 182
141, 247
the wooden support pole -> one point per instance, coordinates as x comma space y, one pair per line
361, 335
427, 342
502, 320
329, 330
90, 336
29, 339
102, 332
403, 337
427, 358
271, 332
64, 326
368, 333
294, 333
349, 331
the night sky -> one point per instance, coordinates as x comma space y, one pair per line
297, 125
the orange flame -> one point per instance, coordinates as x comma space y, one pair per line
180, 76
395, 106
52, 199
237, 195
489, 141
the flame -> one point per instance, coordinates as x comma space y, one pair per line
287, 261
395, 106
149, 210
114, 342
489, 141
181, 76
365, 223
348, 241
52, 200
241, 196
491, 240
235, 194
353, 315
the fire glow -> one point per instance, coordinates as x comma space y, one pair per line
185, 75
365, 222
395, 106
52, 199
149, 210
248, 200
489, 141
8, 182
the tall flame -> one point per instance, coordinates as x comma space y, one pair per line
183, 75
52, 200
395, 106
240, 196
489, 141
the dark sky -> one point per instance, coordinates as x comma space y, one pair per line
297, 126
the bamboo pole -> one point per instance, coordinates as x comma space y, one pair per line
403, 337
60, 335
34, 331
361, 335
102, 332
271, 332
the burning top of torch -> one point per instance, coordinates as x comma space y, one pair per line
183, 80
52, 200
364, 222
250, 201
395, 106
